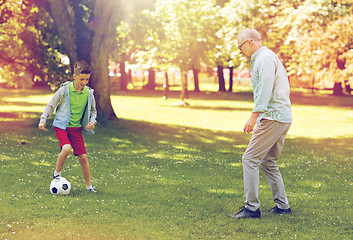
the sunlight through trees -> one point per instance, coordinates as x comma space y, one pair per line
312, 38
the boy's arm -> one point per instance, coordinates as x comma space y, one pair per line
93, 116
49, 109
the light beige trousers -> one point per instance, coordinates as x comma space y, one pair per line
264, 149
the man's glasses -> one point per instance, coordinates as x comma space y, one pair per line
241, 45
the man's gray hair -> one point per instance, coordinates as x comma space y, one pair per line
249, 34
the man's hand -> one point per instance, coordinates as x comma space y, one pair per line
90, 126
41, 126
250, 124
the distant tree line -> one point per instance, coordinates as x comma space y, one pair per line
312, 38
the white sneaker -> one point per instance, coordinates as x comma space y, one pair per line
92, 190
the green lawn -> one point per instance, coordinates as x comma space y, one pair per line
168, 172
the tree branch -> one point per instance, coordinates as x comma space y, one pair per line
2, 2
64, 21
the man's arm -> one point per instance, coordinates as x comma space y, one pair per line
250, 124
266, 81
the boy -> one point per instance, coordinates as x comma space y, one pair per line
75, 111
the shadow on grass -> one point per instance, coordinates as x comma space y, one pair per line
205, 95
309, 99
21, 93
121, 132
149, 135
340, 147
8, 116
297, 98
23, 104
196, 107
162, 174
158, 176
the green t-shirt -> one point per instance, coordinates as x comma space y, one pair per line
78, 102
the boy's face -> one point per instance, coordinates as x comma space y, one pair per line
81, 80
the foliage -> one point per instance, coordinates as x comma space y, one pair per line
29, 47
177, 33
312, 38
324, 47
149, 41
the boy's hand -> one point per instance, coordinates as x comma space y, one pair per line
90, 126
41, 126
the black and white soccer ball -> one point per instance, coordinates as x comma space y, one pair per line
60, 185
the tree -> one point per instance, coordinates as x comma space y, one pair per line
123, 48
186, 33
312, 38
87, 29
131, 38
324, 50
28, 46
147, 44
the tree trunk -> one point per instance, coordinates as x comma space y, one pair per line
104, 32
64, 23
84, 36
196, 79
151, 84
123, 76
222, 85
230, 89
100, 81
89, 41
166, 86
338, 89
184, 87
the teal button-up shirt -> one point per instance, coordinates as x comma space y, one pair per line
271, 86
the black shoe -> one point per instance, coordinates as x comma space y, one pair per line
245, 213
277, 210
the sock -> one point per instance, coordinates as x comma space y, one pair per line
57, 173
89, 187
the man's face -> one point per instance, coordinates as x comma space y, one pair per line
81, 80
244, 47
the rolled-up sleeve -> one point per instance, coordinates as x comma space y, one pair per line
264, 84
270, 86
49, 109
93, 115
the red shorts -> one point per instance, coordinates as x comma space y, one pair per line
72, 136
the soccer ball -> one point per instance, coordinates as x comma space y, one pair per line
60, 185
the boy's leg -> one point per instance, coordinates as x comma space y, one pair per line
65, 151
78, 145
85, 168
65, 146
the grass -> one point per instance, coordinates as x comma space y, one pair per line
167, 172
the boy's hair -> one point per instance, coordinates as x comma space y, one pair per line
82, 67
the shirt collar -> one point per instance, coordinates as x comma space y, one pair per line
258, 52
73, 89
